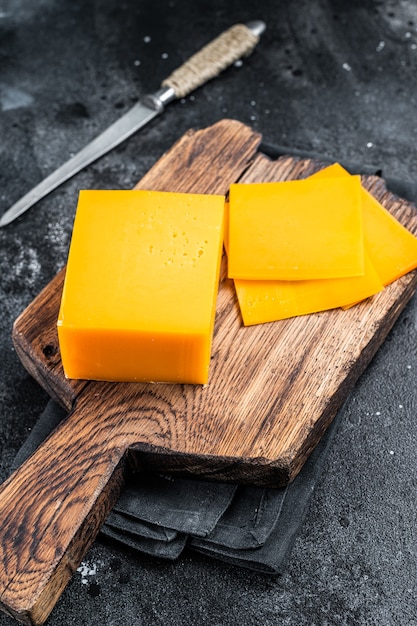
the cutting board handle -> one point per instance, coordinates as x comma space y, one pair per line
52, 507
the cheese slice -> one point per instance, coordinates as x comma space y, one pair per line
273, 300
391, 247
263, 301
296, 230
139, 297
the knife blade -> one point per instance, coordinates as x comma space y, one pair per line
216, 56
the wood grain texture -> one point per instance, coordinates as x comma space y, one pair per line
273, 390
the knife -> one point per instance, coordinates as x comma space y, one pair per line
233, 44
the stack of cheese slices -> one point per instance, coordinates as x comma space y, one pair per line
303, 246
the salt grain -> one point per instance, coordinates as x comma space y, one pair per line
346, 67
87, 570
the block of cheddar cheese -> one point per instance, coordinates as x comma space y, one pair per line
141, 283
296, 230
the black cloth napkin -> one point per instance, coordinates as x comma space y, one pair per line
161, 515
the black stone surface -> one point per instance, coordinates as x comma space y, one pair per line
330, 77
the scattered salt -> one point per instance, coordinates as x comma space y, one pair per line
380, 46
238, 63
164, 55
86, 570
369, 144
346, 67
27, 264
147, 39
136, 62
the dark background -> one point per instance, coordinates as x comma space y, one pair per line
331, 77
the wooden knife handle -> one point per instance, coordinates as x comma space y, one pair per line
52, 507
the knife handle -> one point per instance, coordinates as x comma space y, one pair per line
235, 43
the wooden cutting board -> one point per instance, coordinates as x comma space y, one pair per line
273, 390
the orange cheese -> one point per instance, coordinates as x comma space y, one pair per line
296, 230
391, 247
139, 297
263, 301
271, 300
